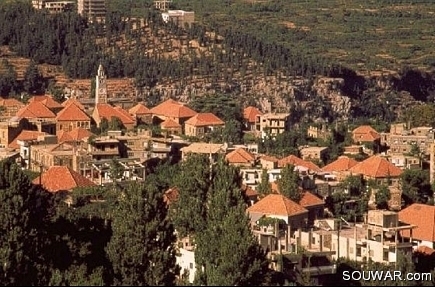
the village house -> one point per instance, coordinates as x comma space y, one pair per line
106, 111
47, 101
367, 136
71, 117
211, 150
26, 140
10, 129
240, 157
298, 163
271, 124
9, 107
353, 150
170, 127
104, 147
313, 152
378, 169
250, 116
338, 170
202, 124
319, 133
378, 238
423, 217
76, 135
142, 114
173, 110
268, 162
36, 111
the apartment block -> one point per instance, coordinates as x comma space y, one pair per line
92, 8
180, 17
271, 124
401, 140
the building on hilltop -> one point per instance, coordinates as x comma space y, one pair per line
179, 17
54, 6
100, 86
92, 8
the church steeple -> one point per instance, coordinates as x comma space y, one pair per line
100, 86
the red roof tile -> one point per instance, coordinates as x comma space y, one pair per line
10, 102
72, 112
204, 119
343, 163
139, 109
171, 195
169, 124
47, 100
35, 110
76, 135
63, 136
174, 109
376, 167
248, 191
250, 114
294, 160
425, 250
277, 204
75, 102
240, 155
269, 158
107, 111
308, 199
423, 216
26, 135
365, 134
62, 178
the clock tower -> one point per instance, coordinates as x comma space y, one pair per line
100, 86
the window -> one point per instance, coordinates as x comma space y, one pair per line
385, 255
358, 251
191, 265
313, 240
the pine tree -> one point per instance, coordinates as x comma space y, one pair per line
226, 248
193, 181
24, 213
288, 183
33, 80
264, 187
142, 248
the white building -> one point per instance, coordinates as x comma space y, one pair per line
180, 17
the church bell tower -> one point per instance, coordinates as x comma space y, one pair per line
100, 86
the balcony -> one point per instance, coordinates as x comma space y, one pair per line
318, 270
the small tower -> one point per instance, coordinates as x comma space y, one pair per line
100, 86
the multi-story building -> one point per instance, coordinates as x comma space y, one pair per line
54, 6
319, 133
249, 116
9, 107
401, 140
378, 238
271, 124
92, 8
180, 17
313, 152
202, 124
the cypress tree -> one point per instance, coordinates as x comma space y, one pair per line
142, 248
288, 183
226, 249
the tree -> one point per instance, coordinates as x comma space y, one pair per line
226, 248
24, 215
115, 124
193, 182
33, 79
142, 248
264, 187
116, 170
382, 197
288, 183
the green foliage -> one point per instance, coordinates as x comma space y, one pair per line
142, 245
116, 170
382, 197
8, 79
420, 115
33, 80
354, 185
115, 124
288, 183
415, 185
284, 144
264, 187
226, 248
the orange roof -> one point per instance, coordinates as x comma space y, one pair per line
107, 111
75, 102
204, 119
269, 158
174, 109
277, 204
376, 167
343, 163
426, 250
365, 134
47, 100
10, 102
72, 112
139, 109
294, 160
240, 155
62, 178
423, 216
76, 134
171, 195
35, 110
363, 130
308, 199
25, 135
63, 136
170, 124
248, 191
250, 114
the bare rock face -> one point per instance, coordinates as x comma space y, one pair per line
329, 89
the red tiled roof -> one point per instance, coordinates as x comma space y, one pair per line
63, 136
426, 250
62, 178
47, 100
76, 134
423, 216
343, 163
174, 109
240, 155
269, 158
107, 111
294, 160
171, 195
170, 124
75, 102
25, 135
308, 199
376, 167
10, 102
277, 204
365, 134
35, 109
204, 119
139, 109
72, 112
250, 114
248, 191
